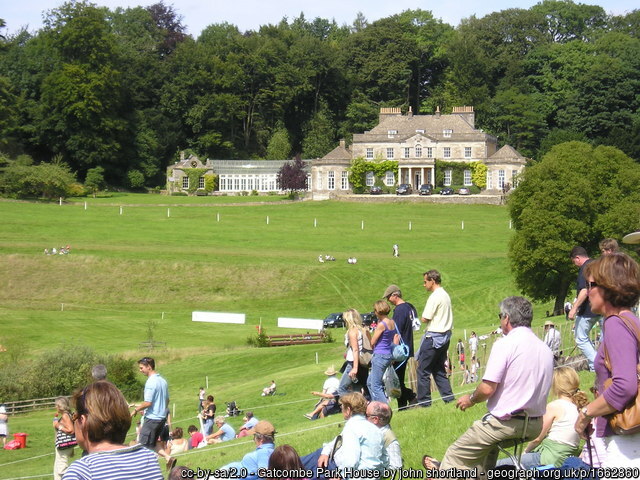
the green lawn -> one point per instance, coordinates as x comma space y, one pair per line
127, 269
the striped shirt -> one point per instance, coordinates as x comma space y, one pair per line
129, 463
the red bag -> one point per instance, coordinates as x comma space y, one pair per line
12, 445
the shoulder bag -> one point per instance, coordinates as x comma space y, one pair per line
65, 440
365, 355
401, 351
626, 422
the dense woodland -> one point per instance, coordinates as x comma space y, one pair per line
126, 89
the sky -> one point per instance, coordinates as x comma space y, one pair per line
251, 14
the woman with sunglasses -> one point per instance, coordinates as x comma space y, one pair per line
613, 286
102, 420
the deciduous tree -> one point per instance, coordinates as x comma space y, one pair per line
577, 195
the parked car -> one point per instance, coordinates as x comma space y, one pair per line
368, 318
426, 189
333, 320
446, 191
464, 191
375, 190
404, 189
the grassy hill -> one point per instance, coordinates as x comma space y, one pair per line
157, 264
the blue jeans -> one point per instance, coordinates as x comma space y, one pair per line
582, 329
379, 363
528, 460
208, 426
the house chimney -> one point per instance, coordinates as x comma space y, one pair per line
438, 111
386, 112
466, 113
410, 112
343, 143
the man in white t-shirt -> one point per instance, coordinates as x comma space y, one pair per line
473, 344
329, 403
432, 355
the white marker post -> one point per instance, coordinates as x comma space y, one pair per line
509, 224
168, 212
62, 307
315, 222
317, 358
409, 226
462, 225
120, 210
207, 381
218, 216
85, 205
60, 201
362, 225
267, 219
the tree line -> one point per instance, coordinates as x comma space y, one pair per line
125, 90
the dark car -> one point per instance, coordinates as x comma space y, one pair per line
404, 189
426, 189
446, 191
333, 320
464, 191
368, 318
375, 190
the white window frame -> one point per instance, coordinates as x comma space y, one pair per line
501, 178
447, 177
389, 178
418, 151
407, 152
344, 183
446, 152
390, 153
185, 183
467, 178
370, 179
489, 180
446, 133
331, 180
369, 153
201, 182
467, 152
429, 152
391, 133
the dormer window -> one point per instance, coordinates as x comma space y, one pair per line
419, 131
391, 133
446, 133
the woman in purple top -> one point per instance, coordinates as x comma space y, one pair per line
613, 285
383, 341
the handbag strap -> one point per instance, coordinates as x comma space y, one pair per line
631, 326
399, 334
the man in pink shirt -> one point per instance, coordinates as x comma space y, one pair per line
515, 385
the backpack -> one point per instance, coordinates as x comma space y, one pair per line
364, 356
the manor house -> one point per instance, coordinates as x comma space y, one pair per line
416, 142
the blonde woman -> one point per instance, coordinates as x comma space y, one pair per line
62, 424
558, 438
355, 375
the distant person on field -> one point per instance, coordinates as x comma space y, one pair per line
4, 424
552, 338
515, 384
270, 389
249, 422
62, 423
99, 372
473, 344
396, 250
329, 403
608, 246
581, 312
195, 437
201, 396
224, 433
